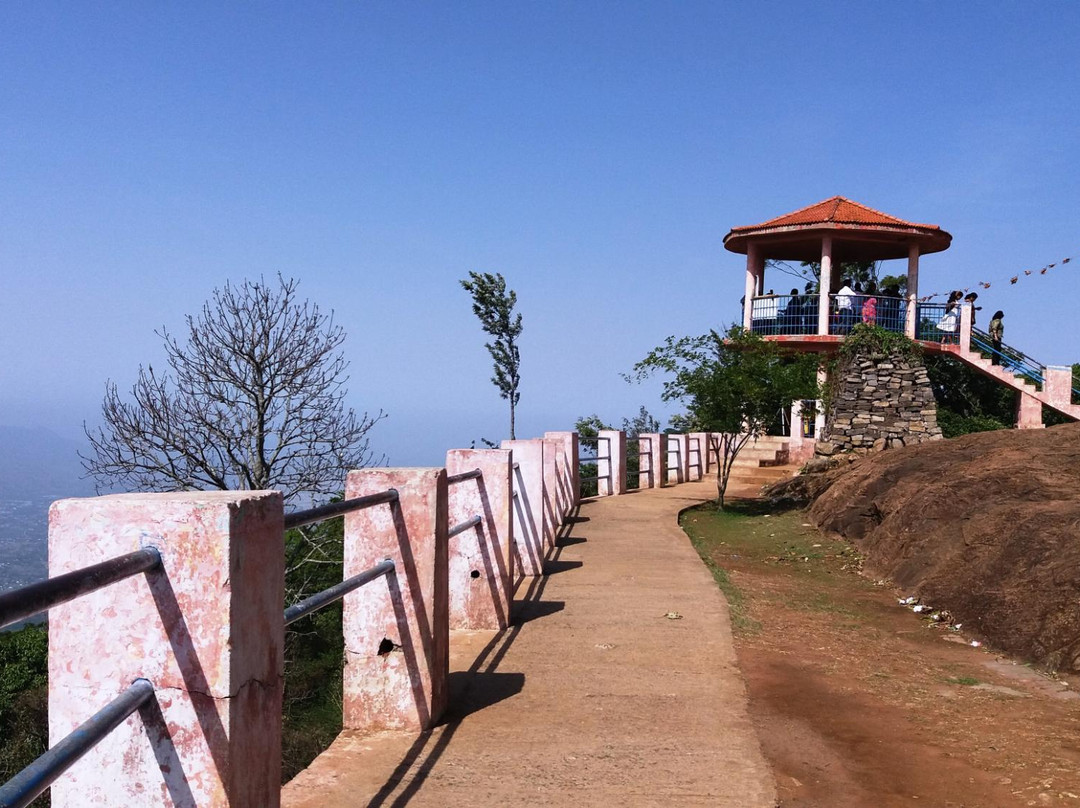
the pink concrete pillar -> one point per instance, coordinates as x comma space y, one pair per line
397, 636
711, 439
678, 451
1057, 384
570, 470
1028, 411
553, 517
698, 451
528, 492
653, 458
207, 631
612, 470
912, 290
481, 564
755, 275
965, 329
825, 285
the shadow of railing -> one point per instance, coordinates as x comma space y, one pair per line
481, 685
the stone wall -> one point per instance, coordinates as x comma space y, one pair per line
880, 402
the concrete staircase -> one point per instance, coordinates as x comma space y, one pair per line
761, 462
1016, 381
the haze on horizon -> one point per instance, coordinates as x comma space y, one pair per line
595, 154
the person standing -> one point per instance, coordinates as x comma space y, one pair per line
869, 306
970, 299
768, 311
997, 331
845, 306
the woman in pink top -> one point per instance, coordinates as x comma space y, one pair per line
869, 306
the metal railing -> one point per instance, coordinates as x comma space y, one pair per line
784, 314
938, 322
19, 604
1008, 358
338, 591
597, 459
323, 512
453, 479
27, 601
884, 311
32, 782
461, 527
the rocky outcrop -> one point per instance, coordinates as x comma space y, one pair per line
983, 525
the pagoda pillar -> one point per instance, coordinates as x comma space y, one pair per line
825, 285
912, 290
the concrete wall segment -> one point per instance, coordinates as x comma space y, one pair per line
528, 490
481, 560
397, 628
207, 631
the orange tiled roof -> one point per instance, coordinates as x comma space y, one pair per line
839, 211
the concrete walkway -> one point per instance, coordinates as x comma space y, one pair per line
594, 697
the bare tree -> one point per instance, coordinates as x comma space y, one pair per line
254, 399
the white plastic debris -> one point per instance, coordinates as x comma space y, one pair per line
907, 601
673, 616
975, 643
919, 608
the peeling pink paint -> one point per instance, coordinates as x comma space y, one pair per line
612, 470
481, 564
678, 459
553, 516
207, 632
569, 484
653, 454
528, 504
403, 687
698, 442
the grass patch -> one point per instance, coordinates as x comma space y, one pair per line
695, 523
967, 681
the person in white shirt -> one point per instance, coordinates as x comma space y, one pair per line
846, 306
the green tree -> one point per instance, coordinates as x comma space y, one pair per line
861, 272
731, 385
494, 306
967, 400
23, 698
641, 424
588, 428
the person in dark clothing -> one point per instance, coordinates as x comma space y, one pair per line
997, 331
791, 316
810, 310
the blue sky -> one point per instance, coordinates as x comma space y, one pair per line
594, 153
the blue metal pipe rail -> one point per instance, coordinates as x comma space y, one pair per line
337, 592
461, 527
31, 782
19, 604
26, 601
1009, 358
322, 512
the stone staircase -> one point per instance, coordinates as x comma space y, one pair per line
761, 462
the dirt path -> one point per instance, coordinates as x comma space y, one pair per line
860, 702
617, 686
